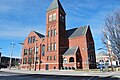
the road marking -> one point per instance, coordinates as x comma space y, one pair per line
91, 78
66, 78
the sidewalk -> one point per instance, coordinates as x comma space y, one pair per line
65, 72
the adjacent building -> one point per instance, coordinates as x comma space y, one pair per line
0, 58
104, 57
6, 60
59, 48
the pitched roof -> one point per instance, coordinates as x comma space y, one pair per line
40, 35
54, 5
70, 32
77, 32
71, 51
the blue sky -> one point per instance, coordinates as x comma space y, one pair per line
19, 17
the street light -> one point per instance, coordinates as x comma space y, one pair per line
35, 56
41, 46
12, 46
21, 43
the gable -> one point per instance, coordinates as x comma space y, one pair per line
34, 33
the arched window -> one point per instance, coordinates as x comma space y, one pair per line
65, 60
50, 17
54, 16
71, 59
43, 50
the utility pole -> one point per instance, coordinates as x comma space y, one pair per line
12, 46
35, 55
110, 52
21, 43
40, 55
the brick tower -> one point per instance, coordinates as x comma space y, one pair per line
56, 35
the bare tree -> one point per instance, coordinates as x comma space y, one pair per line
112, 29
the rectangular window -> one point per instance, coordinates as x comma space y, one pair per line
33, 39
51, 46
30, 51
89, 56
50, 57
25, 51
29, 40
62, 18
43, 50
49, 33
50, 18
24, 60
54, 16
54, 46
37, 58
54, 57
29, 60
47, 58
54, 32
36, 50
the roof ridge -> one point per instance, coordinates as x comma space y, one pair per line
72, 29
39, 34
85, 30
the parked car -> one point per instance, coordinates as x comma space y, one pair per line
114, 63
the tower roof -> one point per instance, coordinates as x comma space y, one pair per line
54, 5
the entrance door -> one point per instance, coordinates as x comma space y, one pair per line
47, 66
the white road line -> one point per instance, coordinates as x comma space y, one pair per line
112, 73
91, 78
66, 78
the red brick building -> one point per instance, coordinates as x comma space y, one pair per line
59, 48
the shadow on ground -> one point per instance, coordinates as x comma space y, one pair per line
17, 76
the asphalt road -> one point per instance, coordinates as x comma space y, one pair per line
18, 76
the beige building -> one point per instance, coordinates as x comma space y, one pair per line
102, 56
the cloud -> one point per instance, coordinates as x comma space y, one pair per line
15, 31
7, 5
19, 17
